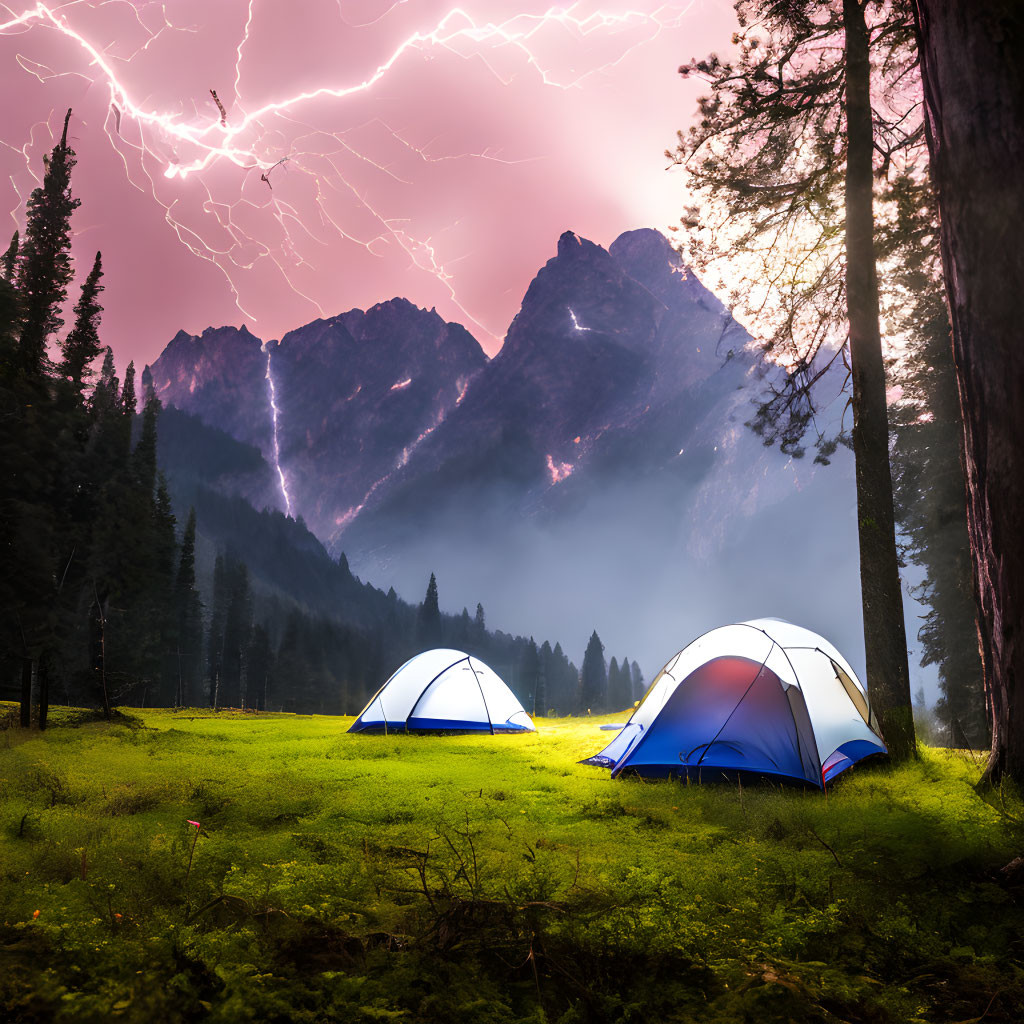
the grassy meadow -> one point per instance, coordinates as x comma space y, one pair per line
485, 879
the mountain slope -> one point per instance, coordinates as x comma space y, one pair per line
605, 376
595, 472
333, 406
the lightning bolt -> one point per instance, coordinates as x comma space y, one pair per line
173, 155
274, 413
576, 324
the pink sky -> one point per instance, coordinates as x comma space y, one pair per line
447, 180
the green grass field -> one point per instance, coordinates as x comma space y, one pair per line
485, 879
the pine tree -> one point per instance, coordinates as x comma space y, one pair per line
10, 317
260, 662
105, 468
638, 682
215, 634
132, 555
529, 673
463, 636
188, 613
563, 682
613, 685
44, 262
785, 155
144, 456
620, 688
540, 693
104, 398
550, 678
9, 260
594, 679
82, 345
237, 634
33, 498
428, 621
161, 596
129, 401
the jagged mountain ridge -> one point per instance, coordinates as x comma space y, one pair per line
609, 426
388, 421
335, 404
618, 364
218, 376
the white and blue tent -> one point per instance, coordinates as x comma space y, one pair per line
762, 697
444, 689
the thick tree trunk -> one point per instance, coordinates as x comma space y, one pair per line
26, 692
44, 691
885, 639
972, 55
99, 652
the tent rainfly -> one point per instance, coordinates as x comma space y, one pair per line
441, 690
764, 697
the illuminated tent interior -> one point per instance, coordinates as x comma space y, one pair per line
444, 689
763, 697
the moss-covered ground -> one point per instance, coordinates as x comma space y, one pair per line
485, 879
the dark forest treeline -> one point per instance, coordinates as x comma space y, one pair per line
100, 599
88, 600
266, 653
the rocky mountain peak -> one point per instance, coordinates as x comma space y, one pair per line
572, 246
644, 242
181, 340
648, 257
579, 296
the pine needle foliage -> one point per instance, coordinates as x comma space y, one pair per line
785, 158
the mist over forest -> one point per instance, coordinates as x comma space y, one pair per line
661, 524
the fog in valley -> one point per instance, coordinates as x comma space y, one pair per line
651, 569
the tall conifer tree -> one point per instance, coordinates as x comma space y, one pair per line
9, 260
529, 673
31, 499
82, 345
638, 682
594, 678
786, 154
428, 621
188, 612
44, 261
215, 634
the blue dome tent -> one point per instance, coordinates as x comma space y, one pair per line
763, 697
442, 690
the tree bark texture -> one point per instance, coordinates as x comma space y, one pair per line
26, 693
99, 652
972, 55
885, 639
44, 691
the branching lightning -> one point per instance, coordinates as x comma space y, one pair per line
172, 155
